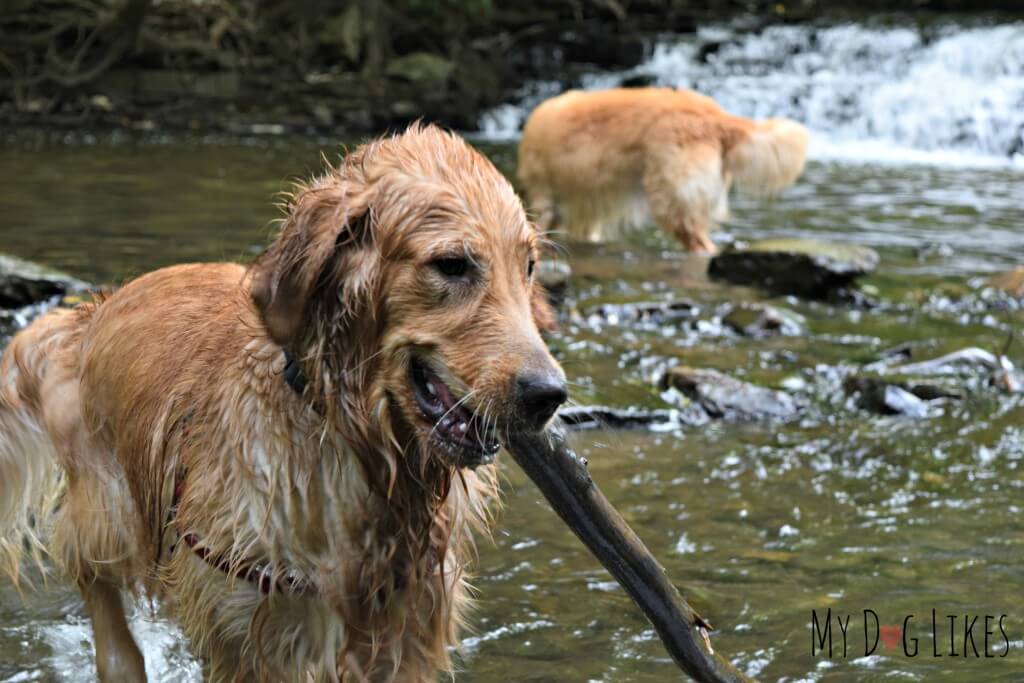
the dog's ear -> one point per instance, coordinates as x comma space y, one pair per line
323, 219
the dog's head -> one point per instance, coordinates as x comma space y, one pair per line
403, 280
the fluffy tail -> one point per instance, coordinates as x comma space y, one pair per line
769, 158
30, 478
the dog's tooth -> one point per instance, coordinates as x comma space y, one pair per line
463, 427
430, 389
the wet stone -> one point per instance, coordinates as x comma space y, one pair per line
904, 351
891, 397
726, 397
606, 417
969, 359
645, 311
804, 268
23, 283
763, 321
554, 276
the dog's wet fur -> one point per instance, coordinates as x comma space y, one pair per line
401, 282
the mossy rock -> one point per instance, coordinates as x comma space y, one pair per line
344, 32
422, 68
804, 268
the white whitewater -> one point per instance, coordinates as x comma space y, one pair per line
936, 93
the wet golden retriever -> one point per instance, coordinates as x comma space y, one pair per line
595, 162
291, 456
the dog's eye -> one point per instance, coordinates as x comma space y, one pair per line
529, 268
453, 267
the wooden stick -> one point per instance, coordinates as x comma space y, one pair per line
563, 478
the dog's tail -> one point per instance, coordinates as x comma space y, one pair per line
769, 157
30, 479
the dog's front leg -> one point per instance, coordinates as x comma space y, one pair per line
118, 659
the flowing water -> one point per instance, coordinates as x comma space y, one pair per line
933, 91
760, 523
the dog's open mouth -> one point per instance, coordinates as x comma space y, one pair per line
459, 431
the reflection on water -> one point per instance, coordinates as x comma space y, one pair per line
761, 523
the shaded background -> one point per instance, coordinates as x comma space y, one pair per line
354, 65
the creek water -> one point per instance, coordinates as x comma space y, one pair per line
759, 522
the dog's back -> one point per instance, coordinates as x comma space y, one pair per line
87, 399
49, 435
611, 159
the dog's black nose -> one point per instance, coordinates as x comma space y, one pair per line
540, 396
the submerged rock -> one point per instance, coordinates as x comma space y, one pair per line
726, 397
890, 397
972, 361
904, 351
805, 268
605, 417
23, 283
645, 311
952, 363
763, 321
554, 278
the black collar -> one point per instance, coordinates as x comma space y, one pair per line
293, 373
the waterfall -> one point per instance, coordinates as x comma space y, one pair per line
933, 93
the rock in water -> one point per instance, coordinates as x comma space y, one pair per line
805, 268
887, 397
957, 361
605, 417
726, 397
645, 311
764, 321
554, 278
902, 402
23, 283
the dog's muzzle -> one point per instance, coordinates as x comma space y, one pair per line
464, 436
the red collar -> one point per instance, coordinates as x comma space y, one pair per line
262, 575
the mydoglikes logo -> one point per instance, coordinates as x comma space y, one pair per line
841, 636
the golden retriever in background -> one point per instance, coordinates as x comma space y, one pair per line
291, 457
594, 162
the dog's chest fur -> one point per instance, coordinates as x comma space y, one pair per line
268, 481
